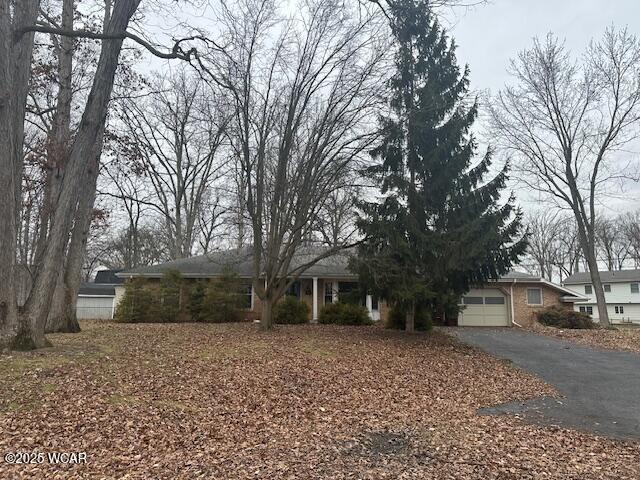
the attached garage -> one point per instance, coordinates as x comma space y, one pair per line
96, 300
485, 307
94, 307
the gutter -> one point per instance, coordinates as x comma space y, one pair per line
513, 313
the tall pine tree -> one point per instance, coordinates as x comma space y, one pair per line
438, 228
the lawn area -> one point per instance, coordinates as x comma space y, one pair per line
626, 339
301, 402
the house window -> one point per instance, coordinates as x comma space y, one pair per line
635, 288
328, 293
472, 300
293, 290
246, 297
588, 290
607, 288
619, 309
534, 296
587, 310
494, 300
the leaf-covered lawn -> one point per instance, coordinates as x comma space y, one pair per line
227, 401
619, 338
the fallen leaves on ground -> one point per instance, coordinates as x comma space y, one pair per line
617, 338
227, 401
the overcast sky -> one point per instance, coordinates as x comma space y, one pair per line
489, 35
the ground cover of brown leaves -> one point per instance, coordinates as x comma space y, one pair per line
193, 401
619, 338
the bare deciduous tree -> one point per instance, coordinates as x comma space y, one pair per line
335, 223
630, 229
610, 242
303, 92
177, 134
569, 252
564, 123
544, 242
73, 206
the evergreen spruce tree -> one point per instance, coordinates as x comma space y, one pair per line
438, 228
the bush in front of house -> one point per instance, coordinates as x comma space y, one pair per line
139, 304
344, 314
397, 319
223, 300
195, 305
290, 311
171, 292
564, 318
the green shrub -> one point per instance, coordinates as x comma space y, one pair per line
223, 300
139, 303
344, 314
171, 286
195, 307
564, 318
290, 311
422, 321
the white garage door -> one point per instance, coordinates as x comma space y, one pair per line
94, 307
486, 307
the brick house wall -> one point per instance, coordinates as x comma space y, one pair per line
524, 313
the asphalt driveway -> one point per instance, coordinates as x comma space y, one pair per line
600, 388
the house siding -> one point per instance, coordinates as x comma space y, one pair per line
620, 295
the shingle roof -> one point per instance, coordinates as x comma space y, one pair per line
619, 276
108, 277
518, 275
98, 289
240, 261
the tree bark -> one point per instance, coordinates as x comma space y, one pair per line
598, 289
15, 69
8, 306
91, 127
62, 316
59, 140
266, 319
586, 238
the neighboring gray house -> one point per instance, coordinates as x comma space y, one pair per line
621, 292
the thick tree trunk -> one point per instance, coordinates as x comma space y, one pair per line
91, 128
62, 312
62, 316
15, 69
598, 289
266, 319
410, 318
587, 243
59, 141
8, 306
58, 308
